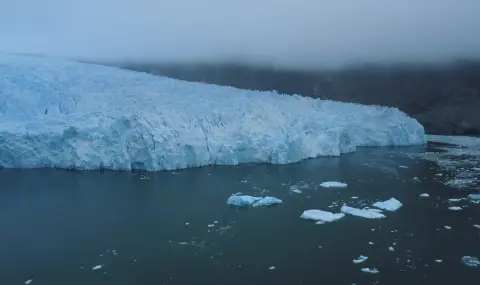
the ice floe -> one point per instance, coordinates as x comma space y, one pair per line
471, 261
455, 208
370, 270
424, 195
333, 184
360, 259
391, 205
322, 216
247, 201
364, 213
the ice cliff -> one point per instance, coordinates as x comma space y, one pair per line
58, 113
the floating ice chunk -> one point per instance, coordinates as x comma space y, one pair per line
29, 281
370, 243
211, 225
333, 184
390, 248
246, 201
471, 261
298, 191
319, 215
453, 200
402, 166
371, 271
455, 208
354, 197
271, 268
360, 259
97, 267
424, 195
438, 260
474, 196
448, 227
476, 226
391, 205
267, 201
361, 213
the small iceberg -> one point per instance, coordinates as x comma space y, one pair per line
391, 205
364, 213
371, 271
424, 195
453, 200
455, 208
471, 261
333, 184
28, 281
97, 267
474, 196
360, 259
321, 216
247, 201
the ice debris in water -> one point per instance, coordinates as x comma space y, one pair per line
448, 227
455, 208
360, 259
246, 201
29, 281
67, 114
333, 184
471, 261
271, 268
390, 248
371, 271
97, 267
438, 260
391, 205
364, 213
319, 215
402, 166
474, 196
453, 200
476, 226
424, 195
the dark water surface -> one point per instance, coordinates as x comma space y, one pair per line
56, 225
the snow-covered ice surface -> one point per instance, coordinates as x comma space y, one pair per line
247, 201
333, 184
391, 205
319, 215
363, 213
65, 114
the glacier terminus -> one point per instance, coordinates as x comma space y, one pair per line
67, 114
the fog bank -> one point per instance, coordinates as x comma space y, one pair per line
298, 34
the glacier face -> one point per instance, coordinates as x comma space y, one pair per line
65, 114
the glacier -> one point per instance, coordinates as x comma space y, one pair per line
66, 114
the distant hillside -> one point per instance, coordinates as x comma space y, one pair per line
444, 98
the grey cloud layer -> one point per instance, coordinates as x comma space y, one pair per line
284, 32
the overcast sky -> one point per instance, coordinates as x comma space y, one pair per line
298, 33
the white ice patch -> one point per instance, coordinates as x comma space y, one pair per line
471, 261
391, 205
333, 184
448, 227
390, 248
476, 226
370, 270
424, 195
246, 201
454, 200
474, 196
438, 260
66, 114
364, 213
97, 267
319, 215
360, 259
402, 166
28, 281
455, 208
